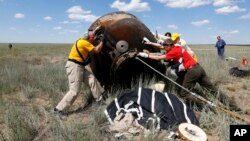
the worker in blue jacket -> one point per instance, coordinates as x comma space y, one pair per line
220, 45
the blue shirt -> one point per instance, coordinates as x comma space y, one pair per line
220, 43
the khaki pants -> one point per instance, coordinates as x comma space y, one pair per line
76, 75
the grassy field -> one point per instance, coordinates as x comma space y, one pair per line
33, 80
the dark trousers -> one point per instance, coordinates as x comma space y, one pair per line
194, 75
197, 74
220, 51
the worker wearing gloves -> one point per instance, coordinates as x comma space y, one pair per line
194, 72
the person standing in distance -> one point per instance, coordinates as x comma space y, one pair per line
220, 45
78, 71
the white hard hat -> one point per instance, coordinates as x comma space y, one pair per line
183, 42
85, 35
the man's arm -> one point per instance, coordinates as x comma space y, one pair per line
155, 45
157, 57
152, 56
98, 48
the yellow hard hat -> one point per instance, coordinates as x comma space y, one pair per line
174, 36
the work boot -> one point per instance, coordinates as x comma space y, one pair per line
58, 113
101, 100
105, 95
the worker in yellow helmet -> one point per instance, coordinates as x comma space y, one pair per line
179, 41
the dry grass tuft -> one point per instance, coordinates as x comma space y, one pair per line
231, 89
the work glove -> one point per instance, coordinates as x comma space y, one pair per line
142, 54
145, 40
181, 67
160, 41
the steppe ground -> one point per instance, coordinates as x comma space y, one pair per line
33, 80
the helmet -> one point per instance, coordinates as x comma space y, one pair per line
174, 36
85, 35
167, 42
183, 42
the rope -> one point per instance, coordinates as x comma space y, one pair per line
221, 108
194, 94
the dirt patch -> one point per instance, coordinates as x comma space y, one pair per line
239, 89
42, 101
213, 137
55, 59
